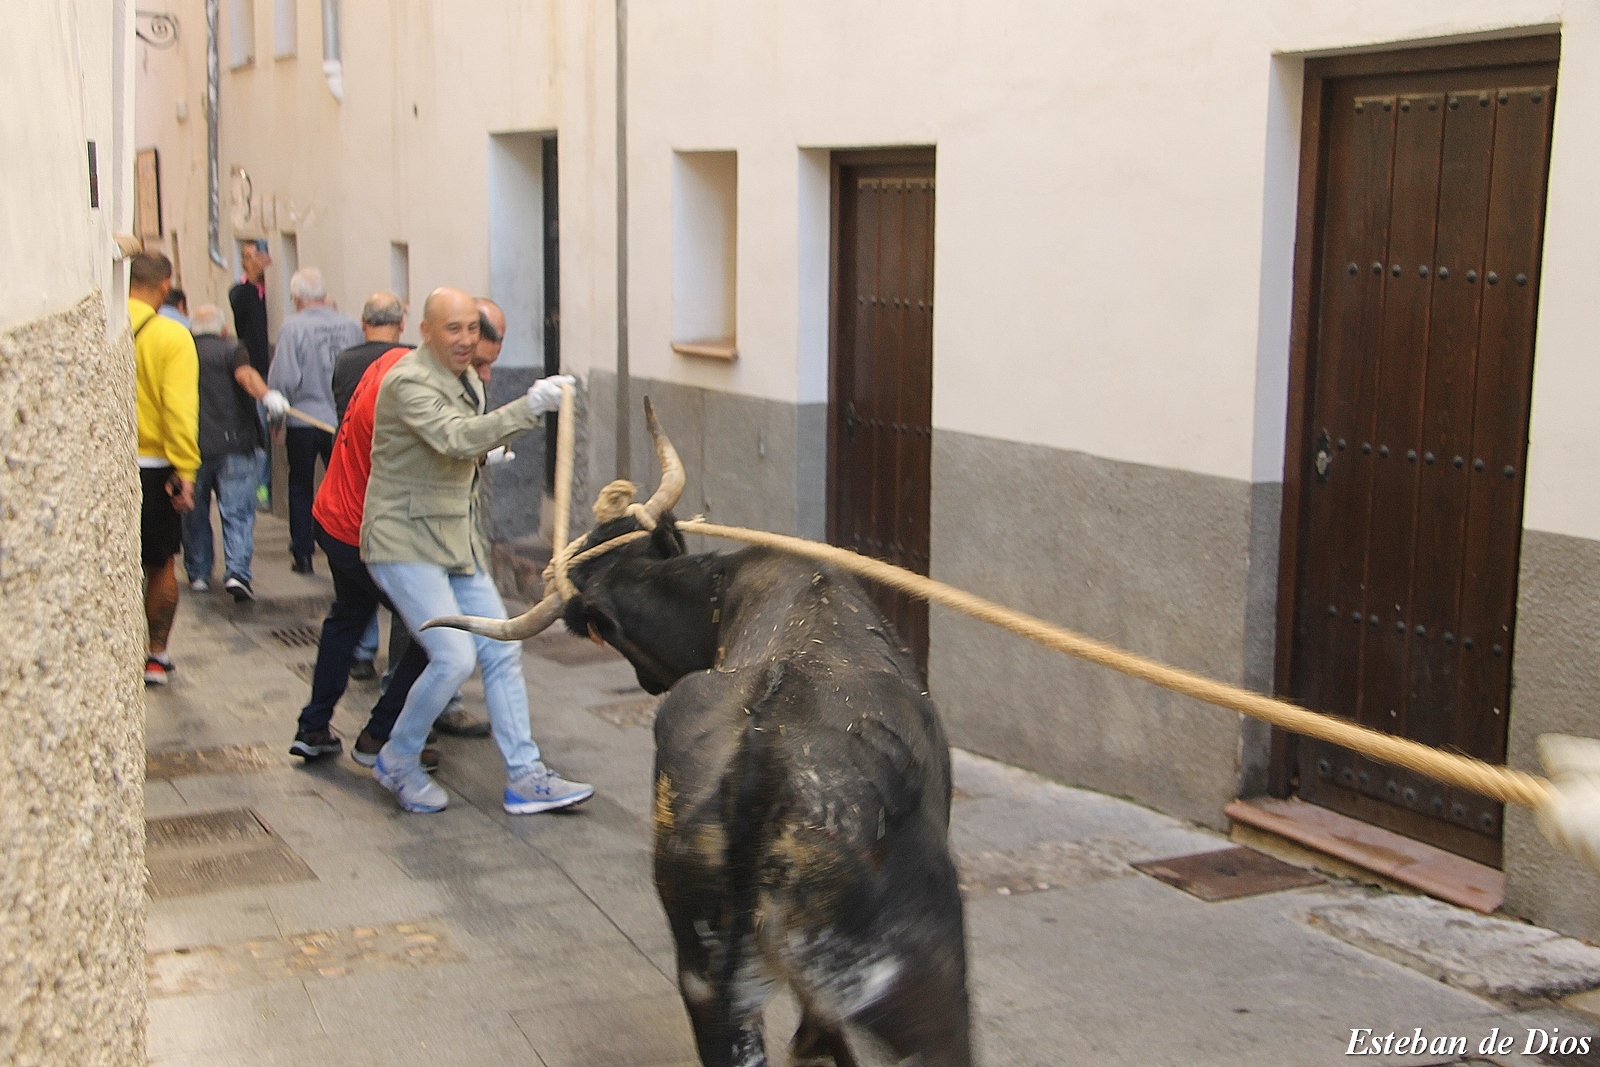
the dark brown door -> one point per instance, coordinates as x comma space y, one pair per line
881, 375
1411, 489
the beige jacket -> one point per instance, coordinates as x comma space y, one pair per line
427, 437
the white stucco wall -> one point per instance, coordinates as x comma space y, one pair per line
1116, 207
1116, 191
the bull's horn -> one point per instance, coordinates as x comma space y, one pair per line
530, 623
671, 487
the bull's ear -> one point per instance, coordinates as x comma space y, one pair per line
666, 539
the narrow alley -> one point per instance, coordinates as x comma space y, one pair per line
318, 923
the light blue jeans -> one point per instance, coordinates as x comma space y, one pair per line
233, 480
423, 591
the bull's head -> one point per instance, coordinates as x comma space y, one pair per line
647, 599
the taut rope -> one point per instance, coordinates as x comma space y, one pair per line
1569, 815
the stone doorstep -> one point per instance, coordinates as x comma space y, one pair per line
1512, 962
1368, 848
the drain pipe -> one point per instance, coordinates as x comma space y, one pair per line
624, 390
213, 167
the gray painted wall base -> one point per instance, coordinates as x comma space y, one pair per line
1153, 560
750, 462
1555, 689
513, 491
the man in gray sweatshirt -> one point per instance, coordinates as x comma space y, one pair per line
302, 370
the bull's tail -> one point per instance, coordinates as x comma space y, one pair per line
752, 796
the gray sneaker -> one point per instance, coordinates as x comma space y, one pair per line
541, 789
409, 783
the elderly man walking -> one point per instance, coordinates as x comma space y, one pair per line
230, 433
302, 369
422, 543
166, 376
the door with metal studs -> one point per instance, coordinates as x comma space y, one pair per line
880, 431
1430, 229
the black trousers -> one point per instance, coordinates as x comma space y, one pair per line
304, 445
355, 601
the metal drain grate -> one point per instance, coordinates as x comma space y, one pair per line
1228, 874
188, 855
298, 636
226, 759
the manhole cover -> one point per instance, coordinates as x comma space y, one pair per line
625, 713
1228, 874
323, 954
187, 855
298, 636
570, 650
226, 759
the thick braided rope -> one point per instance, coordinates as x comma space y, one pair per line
566, 436
1498, 783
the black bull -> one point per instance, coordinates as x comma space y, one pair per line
802, 799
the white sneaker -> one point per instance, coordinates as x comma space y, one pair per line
200, 585
541, 789
409, 783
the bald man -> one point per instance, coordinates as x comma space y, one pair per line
423, 544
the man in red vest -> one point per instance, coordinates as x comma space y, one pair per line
337, 515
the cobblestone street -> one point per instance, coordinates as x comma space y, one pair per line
320, 924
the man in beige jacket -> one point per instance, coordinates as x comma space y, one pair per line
423, 544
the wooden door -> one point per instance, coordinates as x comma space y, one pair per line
881, 375
1417, 391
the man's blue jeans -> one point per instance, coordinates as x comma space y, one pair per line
423, 591
233, 480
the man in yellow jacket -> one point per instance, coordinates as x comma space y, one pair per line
168, 387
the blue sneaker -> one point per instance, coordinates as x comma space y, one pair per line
409, 783
541, 789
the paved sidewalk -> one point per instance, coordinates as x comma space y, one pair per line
472, 937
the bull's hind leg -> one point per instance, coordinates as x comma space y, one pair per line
925, 1016
817, 1045
727, 1028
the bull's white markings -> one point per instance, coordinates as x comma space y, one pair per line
695, 989
842, 976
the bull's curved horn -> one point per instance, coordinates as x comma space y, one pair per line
672, 478
534, 621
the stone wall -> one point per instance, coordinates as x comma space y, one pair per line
71, 640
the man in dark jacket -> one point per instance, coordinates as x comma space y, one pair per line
383, 319
229, 436
249, 302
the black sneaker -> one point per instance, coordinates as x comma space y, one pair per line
302, 565
362, 670
316, 745
240, 589
365, 752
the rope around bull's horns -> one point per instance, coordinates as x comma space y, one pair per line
1568, 808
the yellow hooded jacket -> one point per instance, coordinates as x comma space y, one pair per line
168, 371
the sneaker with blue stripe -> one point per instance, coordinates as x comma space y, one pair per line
409, 783
542, 789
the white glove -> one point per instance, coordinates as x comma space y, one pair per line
545, 396
276, 403
499, 454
